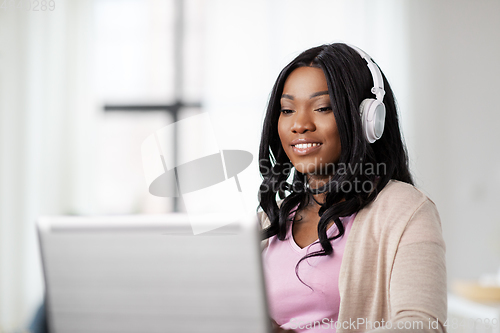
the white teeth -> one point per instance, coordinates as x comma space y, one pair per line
306, 145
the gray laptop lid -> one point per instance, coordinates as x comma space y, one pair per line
151, 274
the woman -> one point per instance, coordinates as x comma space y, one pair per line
353, 245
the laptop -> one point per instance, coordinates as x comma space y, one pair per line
150, 273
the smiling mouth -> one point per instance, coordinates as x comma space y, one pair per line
306, 145
305, 148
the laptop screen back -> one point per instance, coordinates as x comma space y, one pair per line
151, 274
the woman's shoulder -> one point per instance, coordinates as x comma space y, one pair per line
396, 191
398, 203
397, 187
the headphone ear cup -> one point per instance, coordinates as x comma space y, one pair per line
363, 111
378, 122
372, 118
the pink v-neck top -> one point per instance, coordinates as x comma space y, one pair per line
292, 304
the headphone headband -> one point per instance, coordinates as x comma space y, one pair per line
378, 81
372, 111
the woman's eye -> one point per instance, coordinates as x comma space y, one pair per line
324, 109
286, 111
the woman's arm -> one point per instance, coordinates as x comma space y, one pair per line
418, 293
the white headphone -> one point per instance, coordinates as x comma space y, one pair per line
372, 111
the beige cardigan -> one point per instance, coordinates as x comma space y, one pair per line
393, 268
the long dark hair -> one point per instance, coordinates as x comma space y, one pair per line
372, 165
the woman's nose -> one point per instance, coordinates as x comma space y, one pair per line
303, 122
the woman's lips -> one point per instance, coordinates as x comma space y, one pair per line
305, 148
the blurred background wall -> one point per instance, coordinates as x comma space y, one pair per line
83, 83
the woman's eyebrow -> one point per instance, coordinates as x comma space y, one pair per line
316, 94
319, 93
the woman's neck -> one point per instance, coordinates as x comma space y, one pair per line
316, 182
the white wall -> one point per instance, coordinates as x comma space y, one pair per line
44, 135
455, 80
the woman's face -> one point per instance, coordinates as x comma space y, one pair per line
306, 126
